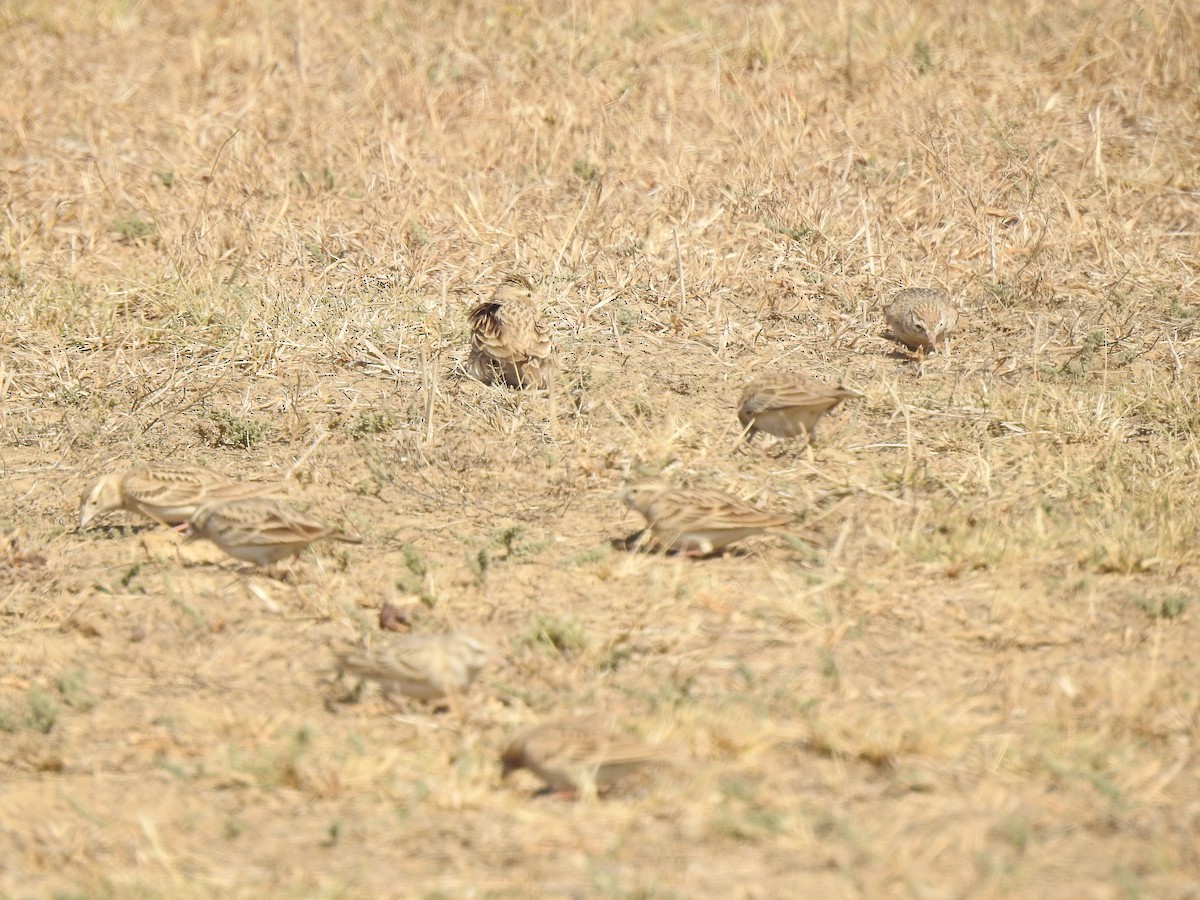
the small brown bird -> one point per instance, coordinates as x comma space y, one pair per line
787, 405
260, 531
696, 522
921, 318
575, 756
166, 491
422, 666
508, 343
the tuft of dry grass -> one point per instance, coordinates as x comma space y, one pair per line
251, 240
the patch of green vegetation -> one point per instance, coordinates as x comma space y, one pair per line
332, 834
224, 429
72, 687
134, 228
417, 582
320, 255
371, 423
40, 714
564, 636
741, 816
419, 234
585, 170
1080, 362
594, 555
829, 666
316, 181
1170, 607
799, 235
512, 546
234, 829
130, 574
413, 561
922, 56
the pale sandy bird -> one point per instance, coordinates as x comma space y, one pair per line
422, 666
508, 343
166, 491
576, 756
260, 531
921, 318
787, 405
696, 521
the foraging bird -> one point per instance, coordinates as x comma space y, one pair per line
260, 531
787, 405
575, 756
422, 666
166, 491
921, 318
696, 521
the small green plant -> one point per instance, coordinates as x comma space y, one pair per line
130, 574
419, 234
509, 541
1170, 607
224, 429
370, 423
412, 559
564, 636
417, 584
585, 170
799, 235
234, 829
316, 181
72, 687
923, 57
43, 714
132, 229
594, 555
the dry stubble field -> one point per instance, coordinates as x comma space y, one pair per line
248, 236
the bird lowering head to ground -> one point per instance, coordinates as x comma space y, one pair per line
696, 521
921, 318
166, 491
787, 405
578, 757
421, 666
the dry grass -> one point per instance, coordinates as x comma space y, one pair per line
248, 236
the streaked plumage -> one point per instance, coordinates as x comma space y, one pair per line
576, 756
508, 343
422, 666
787, 405
260, 531
921, 318
166, 491
697, 521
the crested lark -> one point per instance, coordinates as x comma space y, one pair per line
787, 405
698, 521
167, 491
921, 318
260, 531
575, 756
422, 666
508, 343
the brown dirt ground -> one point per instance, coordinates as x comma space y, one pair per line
248, 235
